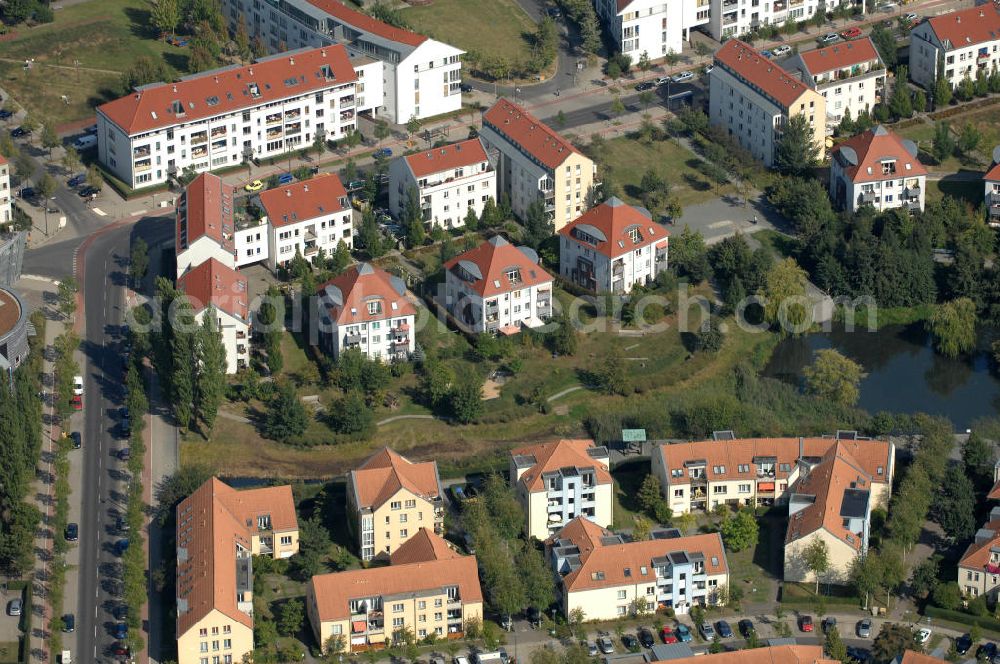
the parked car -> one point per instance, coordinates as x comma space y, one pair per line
458, 493
88, 192
5, 114
120, 631
708, 69
962, 644
864, 628
707, 631
256, 185
121, 546
663, 80
124, 454
986, 652
77, 384
120, 612
72, 532
667, 635
92, 129
746, 628
382, 152
683, 633
85, 142
121, 524
77, 440
605, 645
645, 85
76, 402
888, 7
851, 33
77, 180
28, 192
591, 648
646, 638
682, 77
69, 623
911, 18
767, 54
286, 178
829, 38
465, 87
724, 630
534, 616
923, 635
14, 607
18, 132
630, 643
828, 623
779, 51
806, 623
120, 649
554, 12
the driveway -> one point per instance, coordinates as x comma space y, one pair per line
10, 626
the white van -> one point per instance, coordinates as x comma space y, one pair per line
65, 658
85, 142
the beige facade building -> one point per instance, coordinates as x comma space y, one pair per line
608, 577
428, 589
979, 567
559, 481
753, 99
879, 168
389, 499
218, 530
535, 163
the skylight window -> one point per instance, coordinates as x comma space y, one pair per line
212, 101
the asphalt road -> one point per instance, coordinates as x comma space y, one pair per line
601, 111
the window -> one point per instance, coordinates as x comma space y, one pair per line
744, 488
421, 605
374, 308
227, 644
396, 505
410, 504
678, 493
621, 594
286, 540
203, 631
203, 646
402, 518
397, 622
622, 610
438, 603
397, 608
403, 532
743, 468
720, 489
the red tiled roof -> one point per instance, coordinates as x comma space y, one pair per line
611, 220
384, 473
366, 23
746, 63
422, 547
347, 300
152, 107
911, 657
212, 283
965, 27
3, 159
977, 554
560, 454
994, 493
493, 259
527, 131
993, 173
301, 201
839, 56
769, 655
872, 148
446, 158
208, 212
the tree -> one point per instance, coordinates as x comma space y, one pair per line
646, 98
536, 576
292, 613
242, 39
816, 558
926, 576
942, 92
382, 131
412, 126
611, 376
613, 70
891, 641
901, 105
942, 145
561, 119
46, 186
978, 461
143, 70
834, 377
796, 152
50, 139
165, 16
467, 398
655, 192
24, 166
538, 225
270, 317
286, 417
740, 531
564, 338
885, 43
966, 89
333, 647
784, 292
710, 338
644, 64
969, 139
94, 177
641, 528
689, 255
66, 296
352, 416
413, 219
954, 505
210, 377
953, 326
138, 263
650, 494
617, 106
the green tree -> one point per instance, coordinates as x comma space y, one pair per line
892, 641
24, 166
901, 104
182, 349
538, 225
165, 16
611, 376
796, 152
969, 139
954, 505
46, 186
966, 89
94, 177
412, 126
286, 417
66, 296
919, 100
242, 39
925, 576
710, 338
382, 131
210, 377
953, 326
138, 263
50, 139
650, 494
834, 646
689, 255
784, 293
834, 377
617, 106
467, 398
536, 576
270, 317
641, 528
292, 614
143, 70
644, 64
353, 416
740, 531
885, 43
978, 460
943, 145
816, 558
564, 338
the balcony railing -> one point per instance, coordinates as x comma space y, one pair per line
729, 20
140, 152
292, 115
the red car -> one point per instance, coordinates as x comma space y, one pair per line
851, 33
806, 623
77, 402
667, 635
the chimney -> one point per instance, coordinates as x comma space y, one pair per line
291, 60
322, 52
288, 193
305, 188
251, 71
175, 87
216, 78
802, 444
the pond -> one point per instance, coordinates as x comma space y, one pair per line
904, 374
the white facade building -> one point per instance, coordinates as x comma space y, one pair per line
419, 77
498, 287
5, 195
991, 182
559, 481
735, 18
369, 309
216, 119
449, 181
850, 76
959, 44
306, 217
653, 27
205, 224
612, 247
880, 169
216, 289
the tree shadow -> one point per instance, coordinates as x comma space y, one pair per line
141, 23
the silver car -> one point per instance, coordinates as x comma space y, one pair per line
865, 628
14, 608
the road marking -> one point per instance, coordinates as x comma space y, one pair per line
138, 212
720, 224
99, 212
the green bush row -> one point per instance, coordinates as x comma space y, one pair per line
985, 622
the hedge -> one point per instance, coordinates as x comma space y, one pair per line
985, 622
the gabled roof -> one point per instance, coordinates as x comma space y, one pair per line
210, 522
910, 657
834, 483
765, 76
3, 160
230, 89
446, 158
384, 473
606, 563
301, 201
218, 285
345, 298
770, 655
334, 592
861, 156
977, 554
366, 23
609, 224
840, 56
531, 134
550, 457
424, 546
208, 212
966, 27
485, 267
993, 175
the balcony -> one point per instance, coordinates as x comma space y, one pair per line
241, 334
293, 115
868, 197
241, 349
346, 102
455, 615
546, 186
274, 132
140, 152
310, 250
198, 139
729, 19
273, 119
218, 131
913, 191
142, 166
346, 115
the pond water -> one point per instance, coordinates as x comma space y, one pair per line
904, 374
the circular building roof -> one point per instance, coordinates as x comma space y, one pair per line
12, 312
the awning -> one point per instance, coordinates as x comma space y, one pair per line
508, 330
765, 486
358, 626
376, 638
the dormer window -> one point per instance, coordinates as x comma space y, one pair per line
888, 167
633, 234
513, 276
264, 522
374, 307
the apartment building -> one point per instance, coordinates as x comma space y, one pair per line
414, 76
681, 653
755, 472
307, 218
753, 98
215, 289
558, 481
219, 118
877, 168
979, 566
428, 589
389, 499
218, 530
534, 162
831, 502
958, 45
498, 288
5, 192
612, 247
368, 309
205, 224
609, 577
991, 182
850, 75
449, 181
651, 27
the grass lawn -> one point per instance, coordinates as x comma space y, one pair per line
8, 652
756, 570
495, 29
103, 36
779, 244
628, 478
629, 159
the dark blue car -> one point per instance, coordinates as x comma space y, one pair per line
121, 546
383, 152
120, 631
77, 180
724, 630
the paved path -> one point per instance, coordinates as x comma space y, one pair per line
397, 418
568, 390
226, 415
